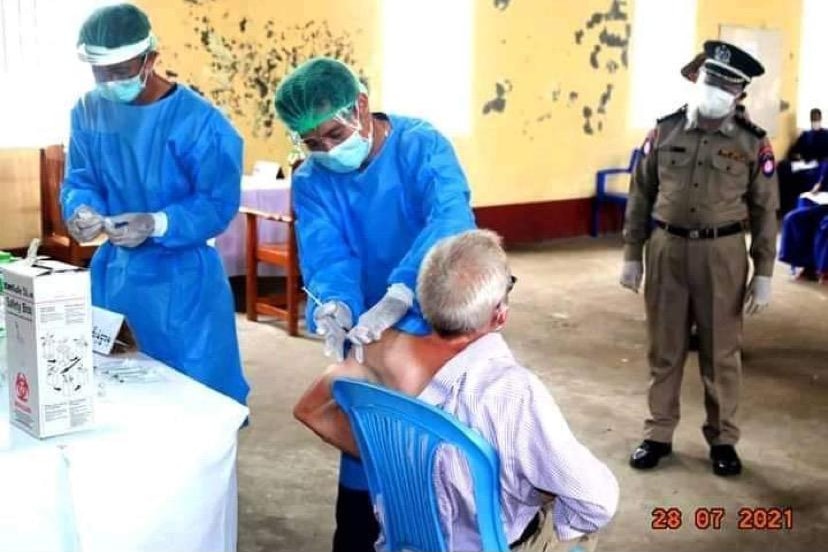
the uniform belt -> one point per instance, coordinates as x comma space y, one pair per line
702, 233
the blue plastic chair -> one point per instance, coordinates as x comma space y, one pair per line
602, 196
398, 439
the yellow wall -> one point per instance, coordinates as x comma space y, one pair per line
202, 41
536, 149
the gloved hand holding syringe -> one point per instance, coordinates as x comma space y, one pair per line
129, 229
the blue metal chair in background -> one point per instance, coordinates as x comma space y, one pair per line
398, 439
602, 196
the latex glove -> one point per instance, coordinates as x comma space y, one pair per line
387, 312
333, 320
129, 229
86, 224
758, 294
631, 274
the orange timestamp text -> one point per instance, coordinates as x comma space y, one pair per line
714, 518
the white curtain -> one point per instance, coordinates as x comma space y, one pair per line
428, 56
40, 75
663, 41
813, 77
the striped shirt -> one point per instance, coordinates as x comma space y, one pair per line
486, 389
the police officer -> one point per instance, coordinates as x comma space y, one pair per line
707, 175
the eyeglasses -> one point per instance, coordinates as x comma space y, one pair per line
509, 287
733, 86
327, 136
120, 71
512, 282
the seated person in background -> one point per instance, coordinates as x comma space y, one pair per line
554, 493
803, 243
811, 146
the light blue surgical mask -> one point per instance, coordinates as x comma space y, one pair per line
125, 90
347, 156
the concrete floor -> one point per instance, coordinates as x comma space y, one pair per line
584, 335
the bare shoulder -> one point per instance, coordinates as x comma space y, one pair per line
395, 361
350, 368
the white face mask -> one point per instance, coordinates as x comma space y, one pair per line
713, 102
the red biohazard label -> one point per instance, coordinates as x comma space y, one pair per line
21, 387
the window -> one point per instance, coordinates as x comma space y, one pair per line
663, 41
427, 61
813, 77
40, 74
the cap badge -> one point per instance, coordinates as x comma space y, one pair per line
722, 54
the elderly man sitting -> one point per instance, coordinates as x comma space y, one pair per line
555, 494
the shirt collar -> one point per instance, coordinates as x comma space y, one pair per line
483, 349
728, 126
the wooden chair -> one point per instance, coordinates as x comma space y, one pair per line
56, 241
284, 306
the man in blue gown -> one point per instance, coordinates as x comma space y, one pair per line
158, 169
376, 192
803, 243
811, 146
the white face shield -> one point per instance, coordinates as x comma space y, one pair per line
100, 55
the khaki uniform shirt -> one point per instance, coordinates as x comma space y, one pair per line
693, 178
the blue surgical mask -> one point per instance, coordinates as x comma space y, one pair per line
347, 156
126, 90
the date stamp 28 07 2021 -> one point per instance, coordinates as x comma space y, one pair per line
715, 518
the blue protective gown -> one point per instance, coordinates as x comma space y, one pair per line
821, 247
362, 231
181, 156
802, 243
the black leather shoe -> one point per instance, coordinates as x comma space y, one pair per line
648, 453
725, 460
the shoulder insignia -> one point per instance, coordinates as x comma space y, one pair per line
766, 161
748, 125
680, 112
649, 142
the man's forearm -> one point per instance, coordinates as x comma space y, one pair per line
331, 424
319, 412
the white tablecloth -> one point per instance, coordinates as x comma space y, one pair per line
157, 473
265, 195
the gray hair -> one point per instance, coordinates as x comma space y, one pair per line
461, 282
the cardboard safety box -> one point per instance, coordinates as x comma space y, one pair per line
49, 347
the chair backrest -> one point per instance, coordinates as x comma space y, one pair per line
52, 163
398, 439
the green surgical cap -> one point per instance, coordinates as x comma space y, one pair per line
315, 92
114, 27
